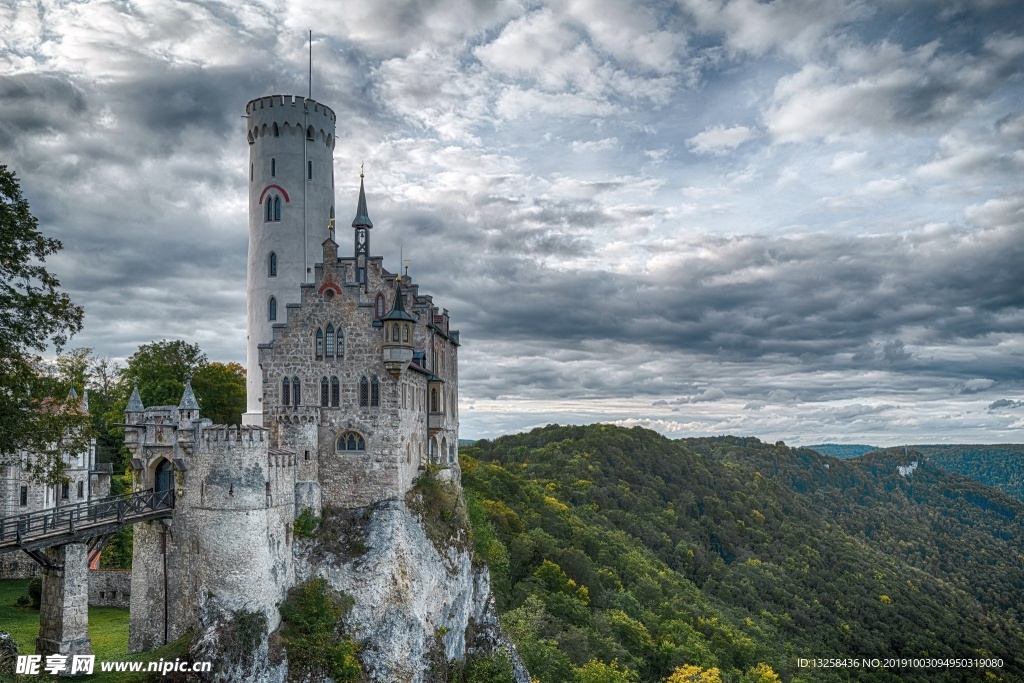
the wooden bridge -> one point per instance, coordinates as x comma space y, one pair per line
91, 523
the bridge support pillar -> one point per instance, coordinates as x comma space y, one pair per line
64, 608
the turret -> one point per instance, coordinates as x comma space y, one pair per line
134, 410
398, 336
188, 407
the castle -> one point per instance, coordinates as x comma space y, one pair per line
352, 390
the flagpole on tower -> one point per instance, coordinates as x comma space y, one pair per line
310, 63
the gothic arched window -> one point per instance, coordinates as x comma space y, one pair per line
319, 344
272, 309
329, 334
296, 391
374, 392
277, 208
379, 307
272, 265
335, 392
364, 392
341, 344
433, 400
270, 209
285, 391
277, 132
350, 441
324, 392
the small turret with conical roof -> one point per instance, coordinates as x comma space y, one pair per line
188, 407
398, 336
134, 409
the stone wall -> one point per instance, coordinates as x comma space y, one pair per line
110, 588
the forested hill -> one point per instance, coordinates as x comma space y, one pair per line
624, 546
843, 451
998, 465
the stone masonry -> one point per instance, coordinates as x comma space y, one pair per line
64, 612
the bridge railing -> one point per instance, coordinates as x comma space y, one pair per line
77, 517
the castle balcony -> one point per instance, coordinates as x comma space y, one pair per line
435, 422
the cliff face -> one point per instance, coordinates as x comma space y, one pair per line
417, 600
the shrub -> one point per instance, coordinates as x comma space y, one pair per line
35, 591
313, 634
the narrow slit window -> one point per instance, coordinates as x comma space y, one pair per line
272, 309
319, 344
364, 392
273, 168
374, 392
272, 265
324, 392
296, 391
335, 392
309, 170
286, 391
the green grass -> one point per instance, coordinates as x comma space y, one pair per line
108, 629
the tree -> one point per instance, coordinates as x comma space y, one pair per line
220, 390
34, 314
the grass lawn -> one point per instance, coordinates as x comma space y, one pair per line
108, 629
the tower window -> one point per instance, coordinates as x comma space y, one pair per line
272, 309
335, 392
319, 344
24, 496
277, 208
374, 392
273, 168
286, 391
379, 306
81, 489
350, 441
329, 333
272, 265
309, 170
310, 133
433, 400
324, 392
277, 132
405, 333
252, 169
364, 392
296, 391
270, 209
394, 332
341, 344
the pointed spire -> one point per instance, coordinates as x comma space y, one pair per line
72, 394
398, 311
188, 399
135, 401
362, 219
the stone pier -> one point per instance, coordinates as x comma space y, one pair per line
64, 609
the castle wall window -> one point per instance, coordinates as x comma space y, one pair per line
273, 168
405, 333
24, 495
270, 210
433, 400
272, 309
319, 344
394, 332
252, 170
296, 391
324, 392
379, 307
309, 170
272, 265
374, 392
65, 490
341, 344
310, 133
277, 132
277, 208
286, 391
329, 334
335, 392
81, 489
350, 441
364, 392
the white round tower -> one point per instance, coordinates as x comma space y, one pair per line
291, 201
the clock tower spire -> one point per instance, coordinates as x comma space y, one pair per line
361, 226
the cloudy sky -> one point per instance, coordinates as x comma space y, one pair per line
798, 220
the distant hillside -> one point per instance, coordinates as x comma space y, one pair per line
843, 451
624, 546
999, 465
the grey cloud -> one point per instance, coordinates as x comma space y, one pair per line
1005, 403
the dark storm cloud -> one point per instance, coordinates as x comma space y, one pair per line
36, 104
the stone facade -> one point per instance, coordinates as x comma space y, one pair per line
110, 588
